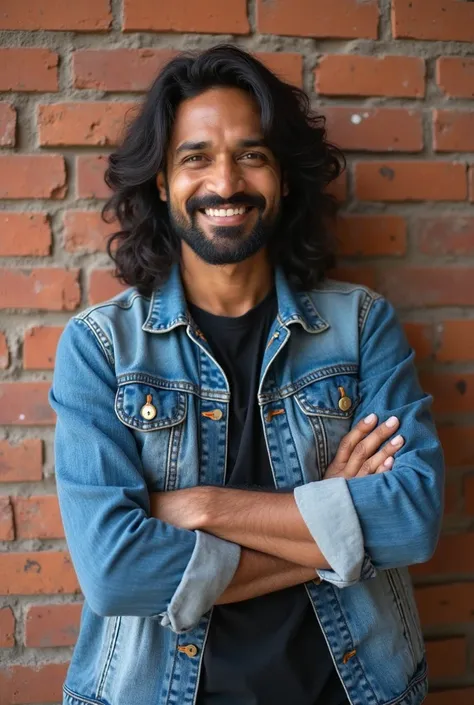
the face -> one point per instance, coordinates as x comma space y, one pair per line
223, 184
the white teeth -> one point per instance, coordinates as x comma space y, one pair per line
224, 212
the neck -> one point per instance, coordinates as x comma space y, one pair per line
228, 290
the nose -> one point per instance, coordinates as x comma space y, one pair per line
225, 178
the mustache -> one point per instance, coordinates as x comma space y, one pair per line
214, 201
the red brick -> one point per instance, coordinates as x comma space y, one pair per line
447, 658
76, 124
37, 517
28, 69
37, 573
453, 131
288, 67
453, 393
421, 338
46, 289
457, 341
416, 287
338, 187
315, 18
433, 19
85, 231
351, 74
25, 685
7, 530
446, 235
32, 176
4, 353
355, 275
471, 184
22, 462
375, 129
103, 286
79, 16
410, 181
52, 625
453, 555
7, 124
90, 176
371, 235
39, 347
469, 494
206, 16
7, 628
25, 234
131, 70
451, 499
445, 604
458, 445
25, 404
455, 76
464, 696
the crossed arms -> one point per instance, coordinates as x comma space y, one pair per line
130, 562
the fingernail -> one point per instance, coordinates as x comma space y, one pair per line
391, 422
398, 440
388, 462
370, 418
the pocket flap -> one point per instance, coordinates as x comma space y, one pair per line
168, 406
336, 396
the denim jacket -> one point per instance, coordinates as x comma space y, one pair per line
149, 587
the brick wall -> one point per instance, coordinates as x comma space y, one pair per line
396, 81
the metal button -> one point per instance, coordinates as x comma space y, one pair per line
348, 656
345, 402
317, 580
148, 411
215, 414
190, 650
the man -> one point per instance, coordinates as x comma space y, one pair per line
227, 427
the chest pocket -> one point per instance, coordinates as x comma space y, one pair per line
329, 405
156, 417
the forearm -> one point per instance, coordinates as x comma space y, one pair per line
260, 574
266, 522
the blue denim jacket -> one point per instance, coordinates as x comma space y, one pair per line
149, 587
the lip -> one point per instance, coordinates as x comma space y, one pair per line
227, 220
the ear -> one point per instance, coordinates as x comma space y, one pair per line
161, 185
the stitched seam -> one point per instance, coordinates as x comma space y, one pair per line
108, 660
72, 694
101, 346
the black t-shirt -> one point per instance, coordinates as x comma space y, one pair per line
268, 650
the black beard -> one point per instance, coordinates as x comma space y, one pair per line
229, 244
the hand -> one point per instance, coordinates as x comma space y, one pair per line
360, 452
186, 509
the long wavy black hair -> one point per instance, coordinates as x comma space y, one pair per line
145, 247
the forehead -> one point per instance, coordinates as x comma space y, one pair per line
215, 115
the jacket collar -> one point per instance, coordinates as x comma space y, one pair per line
168, 307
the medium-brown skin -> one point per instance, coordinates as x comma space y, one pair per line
209, 153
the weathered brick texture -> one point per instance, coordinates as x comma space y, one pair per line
395, 80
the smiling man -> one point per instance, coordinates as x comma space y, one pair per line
238, 501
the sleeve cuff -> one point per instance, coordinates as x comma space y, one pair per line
328, 512
211, 568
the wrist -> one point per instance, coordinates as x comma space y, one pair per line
204, 507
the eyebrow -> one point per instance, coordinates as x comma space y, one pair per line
197, 146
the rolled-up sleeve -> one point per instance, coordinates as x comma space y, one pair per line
127, 562
391, 519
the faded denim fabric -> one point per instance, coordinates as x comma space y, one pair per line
149, 587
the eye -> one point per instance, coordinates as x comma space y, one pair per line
193, 159
253, 156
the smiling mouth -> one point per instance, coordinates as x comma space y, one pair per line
227, 216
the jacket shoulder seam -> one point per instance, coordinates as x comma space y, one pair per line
102, 340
